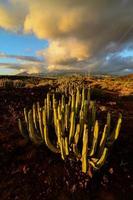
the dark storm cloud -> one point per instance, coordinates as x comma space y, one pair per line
77, 30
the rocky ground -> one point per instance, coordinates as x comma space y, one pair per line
28, 172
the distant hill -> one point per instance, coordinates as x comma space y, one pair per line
71, 73
55, 74
23, 74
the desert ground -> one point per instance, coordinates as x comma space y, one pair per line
30, 172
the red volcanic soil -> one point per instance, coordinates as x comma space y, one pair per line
29, 172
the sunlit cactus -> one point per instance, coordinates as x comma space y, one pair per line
68, 125
46, 135
85, 150
94, 139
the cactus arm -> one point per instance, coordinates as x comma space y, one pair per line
77, 101
117, 130
82, 98
81, 121
77, 134
98, 163
26, 115
108, 122
32, 133
62, 148
76, 139
67, 117
46, 136
103, 141
55, 120
62, 103
59, 131
48, 107
114, 135
72, 127
40, 121
73, 103
85, 110
21, 129
34, 115
89, 94
48, 142
85, 150
93, 113
66, 146
102, 159
95, 139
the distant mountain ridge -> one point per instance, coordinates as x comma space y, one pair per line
23, 74
68, 73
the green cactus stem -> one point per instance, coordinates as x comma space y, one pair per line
102, 159
72, 127
103, 141
32, 133
114, 135
95, 139
98, 163
26, 115
85, 150
22, 129
46, 136
35, 115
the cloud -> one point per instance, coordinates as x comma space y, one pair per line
81, 33
66, 51
30, 64
19, 57
12, 15
23, 67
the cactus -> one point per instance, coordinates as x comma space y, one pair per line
117, 130
72, 127
98, 163
93, 112
66, 146
46, 135
77, 103
102, 159
26, 115
95, 139
32, 134
76, 140
85, 150
34, 115
103, 140
108, 122
21, 129
75, 129
114, 135
89, 94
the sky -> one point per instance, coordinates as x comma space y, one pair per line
71, 35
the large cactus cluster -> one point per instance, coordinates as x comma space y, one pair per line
67, 85
69, 126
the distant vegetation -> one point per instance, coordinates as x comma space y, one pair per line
121, 85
